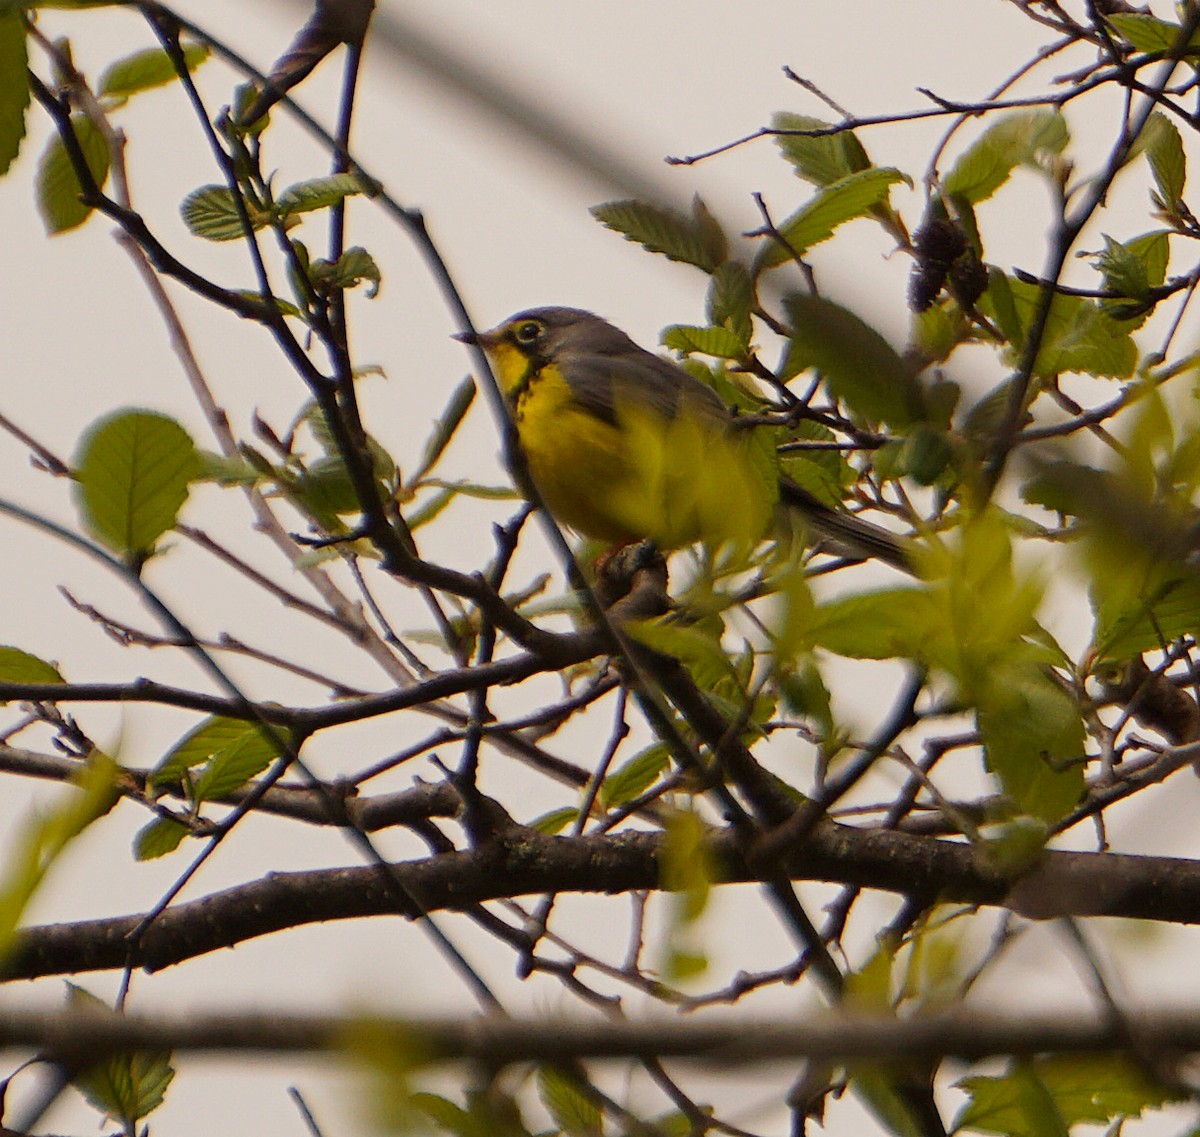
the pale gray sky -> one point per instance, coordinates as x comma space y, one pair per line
652, 78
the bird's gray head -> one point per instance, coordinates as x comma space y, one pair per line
546, 332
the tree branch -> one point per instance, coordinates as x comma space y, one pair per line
522, 862
94, 1036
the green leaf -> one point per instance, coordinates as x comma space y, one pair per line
1002, 306
825, 473
554, 822
161, 836
815, 221
1020, 139
719, 342
1146, 33
926, 453
234, 765
200, 743
887, 624
43, 835
635, 776
1095, 1088
1123, 272
1141, 603
573, 1110
17, 666
14, 87
700, 652
126, 1087
58, 189
686, 865
226, 471
1033, 739
474, 489
350, 269
1153, 249
731, 300
317, 193
7, 6
1062, 1091
231, 751
211, 212
132, 473
448, 1115
820, 159
695, 240
1130, 270
325, 491
1164, 151
147, 69
445, 428
858, 364
1078, 336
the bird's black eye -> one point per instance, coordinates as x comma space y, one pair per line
527, 332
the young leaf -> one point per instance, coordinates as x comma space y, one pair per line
229, 746
731, 300
211, 212
33, 850
1078, 336
1018, 139
132, 474
158, 838
1153, 249
1130, 270
7, 6
1164, 151
696, 240
233, 766
702, 654
317, 193
196, 747
822, 158
350, 269
17, 666
814, 222
1079, 1089
1147, 33
887, 624
447, 1115
147, 69
635, 776
444, 430
14, 87
554, 822
719, 342
858, 364
567, 1102
58, 188
686, 865
1123, 272
1032, 736
125, 1087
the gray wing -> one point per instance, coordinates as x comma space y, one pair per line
598, 382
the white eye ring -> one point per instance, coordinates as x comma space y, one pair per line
527, 332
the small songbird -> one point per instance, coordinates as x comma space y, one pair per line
626, 446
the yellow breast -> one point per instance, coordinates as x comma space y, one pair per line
642, 475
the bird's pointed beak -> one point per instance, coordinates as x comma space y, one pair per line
483, 339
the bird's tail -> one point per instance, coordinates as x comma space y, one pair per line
847, 535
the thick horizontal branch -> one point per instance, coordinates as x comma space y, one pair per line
74, 1035
522, 862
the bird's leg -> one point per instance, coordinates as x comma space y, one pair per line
631, 581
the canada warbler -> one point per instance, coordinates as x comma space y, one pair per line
624, 445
